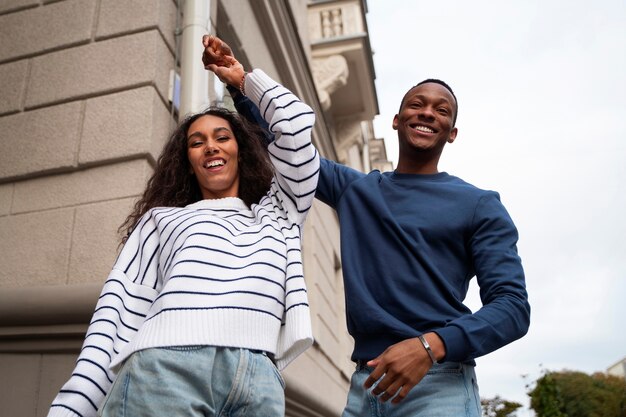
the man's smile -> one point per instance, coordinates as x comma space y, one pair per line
422, 128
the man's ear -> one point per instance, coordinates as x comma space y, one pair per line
453, 135
395, 122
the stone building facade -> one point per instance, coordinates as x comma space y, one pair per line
86, 93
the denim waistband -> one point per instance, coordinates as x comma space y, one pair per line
262, 352
362, 364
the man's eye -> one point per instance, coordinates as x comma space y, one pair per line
443, 111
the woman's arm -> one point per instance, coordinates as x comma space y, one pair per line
120, 311
249, 111
290, 122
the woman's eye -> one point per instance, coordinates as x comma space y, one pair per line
223, 138
195, 144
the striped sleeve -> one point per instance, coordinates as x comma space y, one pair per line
295, 159
120, 311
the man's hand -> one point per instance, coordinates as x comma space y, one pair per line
215, 51
403, 366
218, 58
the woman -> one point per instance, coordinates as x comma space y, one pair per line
207, 297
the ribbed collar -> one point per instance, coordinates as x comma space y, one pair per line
396, 176
220, 203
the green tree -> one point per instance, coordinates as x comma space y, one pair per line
545, 398
498, 407
576, 394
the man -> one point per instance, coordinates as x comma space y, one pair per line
411, 240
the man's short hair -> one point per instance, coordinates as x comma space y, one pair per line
443, 84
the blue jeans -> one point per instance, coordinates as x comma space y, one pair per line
447, 390
196, 381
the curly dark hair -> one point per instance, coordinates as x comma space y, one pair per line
172, 184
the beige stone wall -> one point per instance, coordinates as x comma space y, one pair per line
83, 109
83, 114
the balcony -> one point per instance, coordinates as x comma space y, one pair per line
342, 58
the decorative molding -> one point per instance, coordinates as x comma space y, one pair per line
349, 132
335, 19
330, 74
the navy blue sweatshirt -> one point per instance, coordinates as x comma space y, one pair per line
410, 244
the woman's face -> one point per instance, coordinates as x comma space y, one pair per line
213, 155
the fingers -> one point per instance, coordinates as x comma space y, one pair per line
396, 371
404, 391
374, 362
389, 387
376, 374
225, 49
229, 60
390, 392
216, 52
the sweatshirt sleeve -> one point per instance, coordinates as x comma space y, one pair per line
295, 159
333, 181
120, 311
505, 315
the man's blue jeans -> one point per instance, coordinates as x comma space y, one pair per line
448, 390
196, 381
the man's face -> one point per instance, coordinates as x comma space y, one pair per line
425, 120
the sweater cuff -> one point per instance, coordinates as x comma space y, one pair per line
257, 83
61, 412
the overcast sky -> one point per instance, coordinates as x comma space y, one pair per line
542, 94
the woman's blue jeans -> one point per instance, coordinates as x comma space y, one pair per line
196, 381
448, 390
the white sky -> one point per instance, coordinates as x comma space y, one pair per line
542, 94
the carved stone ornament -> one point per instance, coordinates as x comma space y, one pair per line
330, 74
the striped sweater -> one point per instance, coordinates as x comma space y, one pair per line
213, 273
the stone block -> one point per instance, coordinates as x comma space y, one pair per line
18, 386
6, 198
133, 122
35, 248
120, 180
100, 67
11, 5
95, 241
121, 16
56, 369
12, 85
53, 26
39, 140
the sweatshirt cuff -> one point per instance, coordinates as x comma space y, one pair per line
456, 344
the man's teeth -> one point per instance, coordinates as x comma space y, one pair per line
216, 163
424, 129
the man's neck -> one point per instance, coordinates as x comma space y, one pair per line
409, 166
